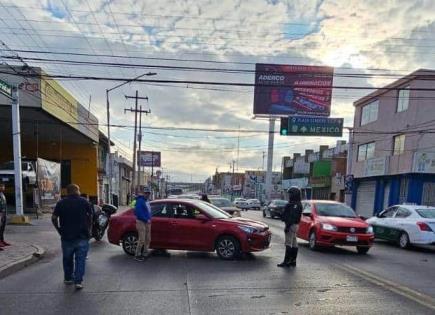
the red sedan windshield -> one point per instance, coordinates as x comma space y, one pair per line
213, 211
334, 210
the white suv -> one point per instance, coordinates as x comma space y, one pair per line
254, 204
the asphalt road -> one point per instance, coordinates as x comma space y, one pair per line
200, 283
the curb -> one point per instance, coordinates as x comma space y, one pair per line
23, 262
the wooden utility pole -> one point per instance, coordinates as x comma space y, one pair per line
136, 136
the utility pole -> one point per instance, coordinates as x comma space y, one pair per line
108, 127
238, 148
270, 158
348, 196
16, 136
136, 135
232, 183
264, 154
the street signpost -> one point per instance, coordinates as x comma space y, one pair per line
5, 89
311, 126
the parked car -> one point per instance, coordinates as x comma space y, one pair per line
275, 208
182, 224
189, 196
28, 173
241, 203
254, 204
406, 225
226, 205
330, 223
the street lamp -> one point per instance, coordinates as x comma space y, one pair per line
108, 124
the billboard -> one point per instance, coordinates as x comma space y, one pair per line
148, 158
48, 174
292, 90
424, 162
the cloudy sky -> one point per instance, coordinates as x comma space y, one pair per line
368, 42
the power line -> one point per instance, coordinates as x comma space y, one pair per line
427, 76
218, 83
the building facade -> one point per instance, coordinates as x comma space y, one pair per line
54, 126
393, 159
320, 175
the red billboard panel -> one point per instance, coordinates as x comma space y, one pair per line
292, 90
148, 158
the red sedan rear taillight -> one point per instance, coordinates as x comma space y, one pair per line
424, 227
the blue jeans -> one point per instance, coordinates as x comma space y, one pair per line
75, 250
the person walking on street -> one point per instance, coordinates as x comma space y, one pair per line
72, 218
142, 210
291, 217
3, 214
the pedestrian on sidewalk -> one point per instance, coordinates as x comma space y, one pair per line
3, 214
72, 218
142, 210
291, 217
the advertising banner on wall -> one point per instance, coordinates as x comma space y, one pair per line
293, 90
375, 167
424, 162
48, 175
149, 158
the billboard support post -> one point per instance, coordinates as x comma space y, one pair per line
16, 136
270, 157
348, 197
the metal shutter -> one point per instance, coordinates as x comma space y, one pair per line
428, 198
365, 198
386, 194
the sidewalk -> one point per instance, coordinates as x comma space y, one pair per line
29, 243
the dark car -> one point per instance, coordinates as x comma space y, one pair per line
183, 224
275, 208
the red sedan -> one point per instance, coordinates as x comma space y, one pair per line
329, 223
191, 225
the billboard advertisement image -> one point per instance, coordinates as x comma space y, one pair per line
293, 90
149, 159
48, 174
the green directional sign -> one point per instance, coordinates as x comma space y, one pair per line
311, 126
5, 89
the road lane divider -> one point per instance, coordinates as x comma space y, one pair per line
389, 285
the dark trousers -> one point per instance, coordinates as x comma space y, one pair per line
74, 259
2, 225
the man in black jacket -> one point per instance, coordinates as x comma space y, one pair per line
291, 217
72, 218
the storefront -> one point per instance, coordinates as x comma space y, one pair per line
55, 127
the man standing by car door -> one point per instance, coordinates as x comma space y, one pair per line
142, 210
291, 217
72, 218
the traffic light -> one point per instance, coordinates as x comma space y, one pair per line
284, 127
